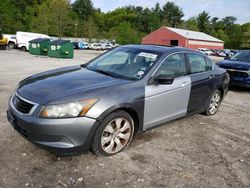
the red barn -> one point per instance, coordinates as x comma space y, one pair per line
182, 37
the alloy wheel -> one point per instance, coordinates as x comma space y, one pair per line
214, 103
116, 135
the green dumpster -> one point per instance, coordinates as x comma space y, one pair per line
61, 49
39, 46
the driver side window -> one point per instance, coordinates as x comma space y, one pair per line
174, 66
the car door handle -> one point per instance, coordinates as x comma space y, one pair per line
211, 76
184, 84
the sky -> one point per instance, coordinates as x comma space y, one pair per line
219, 8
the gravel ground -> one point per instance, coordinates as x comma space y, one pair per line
196, 151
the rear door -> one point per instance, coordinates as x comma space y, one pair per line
167, 102
203, 81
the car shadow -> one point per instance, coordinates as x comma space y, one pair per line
240, 89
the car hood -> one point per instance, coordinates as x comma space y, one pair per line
51, 86
238, 65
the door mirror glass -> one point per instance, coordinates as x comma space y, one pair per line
163, 79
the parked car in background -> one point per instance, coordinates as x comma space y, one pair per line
108, 46
205, 51
238, 67
11, 40
221, 53
97, 46
76, 45
102, 104
86, 46
23, 38
228, 52
114, 45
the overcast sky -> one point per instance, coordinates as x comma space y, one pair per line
220, 8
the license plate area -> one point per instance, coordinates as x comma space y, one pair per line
13, 121
11, 118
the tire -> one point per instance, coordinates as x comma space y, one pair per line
114, 134
11, 45
23, 48
214, 103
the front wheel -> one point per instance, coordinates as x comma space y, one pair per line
11, 45
114, 134
214, 103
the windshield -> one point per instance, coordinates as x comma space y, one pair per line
241, 56
125, 63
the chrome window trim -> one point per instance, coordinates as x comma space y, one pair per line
35, 105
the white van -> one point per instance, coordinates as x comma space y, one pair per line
23, 38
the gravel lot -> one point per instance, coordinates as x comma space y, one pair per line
196, 151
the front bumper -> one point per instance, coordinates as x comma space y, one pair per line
239, 78
64, 136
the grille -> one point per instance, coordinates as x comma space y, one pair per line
21, 105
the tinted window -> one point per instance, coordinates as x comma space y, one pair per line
198, 63
209, 64
173, 66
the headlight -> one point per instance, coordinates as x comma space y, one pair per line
74, 109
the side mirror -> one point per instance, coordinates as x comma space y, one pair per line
163, 79
226, 58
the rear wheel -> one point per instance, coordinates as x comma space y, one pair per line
214, 103
23, 48
114, 134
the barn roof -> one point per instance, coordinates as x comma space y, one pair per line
194, 35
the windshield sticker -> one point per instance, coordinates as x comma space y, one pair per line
148, 55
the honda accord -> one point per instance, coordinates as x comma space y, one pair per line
101, 105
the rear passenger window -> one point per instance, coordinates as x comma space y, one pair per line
173, 66
197, 62
209, 64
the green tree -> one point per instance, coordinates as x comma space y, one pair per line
84, 8
229, 21
53, 22
125, 34
17, 15
172, 14
203, 22
245, 36
234, 37
191, 24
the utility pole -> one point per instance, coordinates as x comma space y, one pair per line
76, 24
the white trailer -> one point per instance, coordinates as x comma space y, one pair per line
23, 38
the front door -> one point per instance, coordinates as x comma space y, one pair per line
167, 102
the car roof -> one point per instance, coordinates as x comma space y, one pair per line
160, 48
